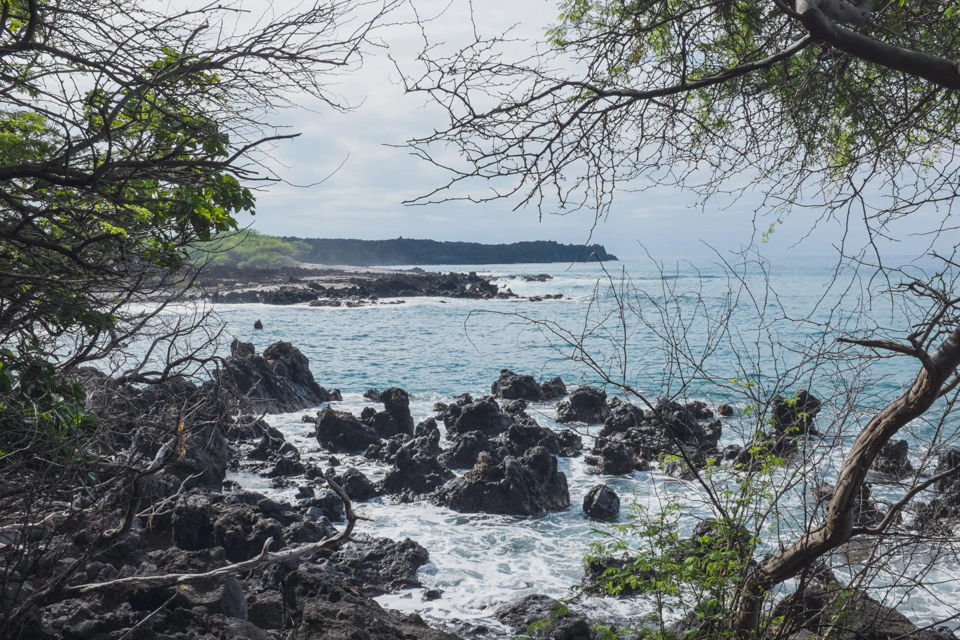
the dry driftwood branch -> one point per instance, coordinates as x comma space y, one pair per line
265, 557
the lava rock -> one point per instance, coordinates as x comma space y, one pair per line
483, 415
341, 432
612, 458
417, 472
796, 414
383, 565
552, 389
465, 450
511, 386
397, 403
356, 485
586, 405
893, 460
279, 381
601, 503
529, 486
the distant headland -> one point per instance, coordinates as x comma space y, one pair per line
369, 253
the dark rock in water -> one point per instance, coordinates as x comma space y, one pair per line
699, 410
284, 467
483, 415
432, 594
893, 460
612, 458
529, 486
341, 432
586, 405
816, 610
680, 469
725, 410
329, 504
383, 565
511, 386
258, 325
417, 472
373, 395
601, 503
386, 450
279, 381
949, 488
796, 415
356, 485
247, 427
623, 416
570, 443
552, 389
552, 618
465, 450
681, 423
397, 404
520, 438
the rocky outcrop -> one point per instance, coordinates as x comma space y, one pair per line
828, 605
796, 415
396, 401
356, 485
417, 472
483, 415
631, 438
586, 405
893, 460
547, 617
380, 564
342, 432
512, 386
279, 381
529, 486
601, 503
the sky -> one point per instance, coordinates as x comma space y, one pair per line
365, 176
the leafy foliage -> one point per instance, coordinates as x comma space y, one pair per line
250, 249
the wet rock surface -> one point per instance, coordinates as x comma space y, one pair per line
529, 486
512, 386
586, 405
333, 287
279, 381
602, 503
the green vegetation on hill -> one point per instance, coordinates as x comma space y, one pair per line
250, 249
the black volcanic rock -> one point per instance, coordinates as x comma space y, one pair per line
586, 404
279, 381
511, 386
483, 415
601, 503
530, 486
341, 432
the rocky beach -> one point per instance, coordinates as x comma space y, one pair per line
210, 559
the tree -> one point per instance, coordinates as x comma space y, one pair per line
848, 109
129, 133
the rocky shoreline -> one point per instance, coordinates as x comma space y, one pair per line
321, 579
327, 287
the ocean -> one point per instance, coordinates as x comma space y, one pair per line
697, 330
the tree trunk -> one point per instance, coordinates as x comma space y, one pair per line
838, 527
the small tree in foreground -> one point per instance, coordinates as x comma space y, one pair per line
129, 132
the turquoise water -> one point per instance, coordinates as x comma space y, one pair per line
740, 334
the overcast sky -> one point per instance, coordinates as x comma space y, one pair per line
363, 199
